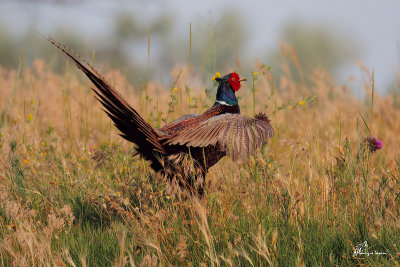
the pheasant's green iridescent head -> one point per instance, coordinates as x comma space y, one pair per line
233, 79
227, 87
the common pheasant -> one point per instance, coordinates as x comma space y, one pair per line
183, 150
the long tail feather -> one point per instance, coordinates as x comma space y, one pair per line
132, 126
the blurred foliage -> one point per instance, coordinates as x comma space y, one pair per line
217, 45
219, 42
112, 50
394, 90
311, 46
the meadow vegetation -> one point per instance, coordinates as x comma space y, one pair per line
72, 194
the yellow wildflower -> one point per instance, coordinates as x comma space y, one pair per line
38, 222
118, 193
213, 78
45, 153
26, 161
43, 143
217, 74
32, 101
83, 159
30, 117
301, 103
269, 165
175, 90
124, 169
255, 73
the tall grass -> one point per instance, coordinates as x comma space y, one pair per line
70, 193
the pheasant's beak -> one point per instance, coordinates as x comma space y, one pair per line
242, 80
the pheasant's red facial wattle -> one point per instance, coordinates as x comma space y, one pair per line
234, 81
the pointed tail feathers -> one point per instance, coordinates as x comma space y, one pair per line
132, 126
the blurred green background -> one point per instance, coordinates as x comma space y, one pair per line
333, 36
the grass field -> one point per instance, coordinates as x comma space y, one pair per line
71, 194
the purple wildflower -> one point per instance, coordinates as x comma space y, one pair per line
373, 143
378, 143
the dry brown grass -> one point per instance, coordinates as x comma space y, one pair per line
298, 178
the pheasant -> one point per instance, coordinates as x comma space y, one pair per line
184, 149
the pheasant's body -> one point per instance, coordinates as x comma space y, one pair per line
186, 148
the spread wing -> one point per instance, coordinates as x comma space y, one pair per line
237, 135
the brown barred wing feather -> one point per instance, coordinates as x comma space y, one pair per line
238, 136
173, 126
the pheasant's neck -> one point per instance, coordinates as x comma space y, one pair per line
222, 102
226, 96
221, 107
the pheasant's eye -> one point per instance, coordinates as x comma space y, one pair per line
233, 79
